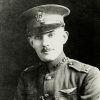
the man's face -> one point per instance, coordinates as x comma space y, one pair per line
50, 45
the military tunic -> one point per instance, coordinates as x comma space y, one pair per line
69, 80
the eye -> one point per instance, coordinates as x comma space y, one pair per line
38, 37
50, 35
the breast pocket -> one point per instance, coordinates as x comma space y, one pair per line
69, 94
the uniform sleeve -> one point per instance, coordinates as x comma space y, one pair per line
91, 85
20, 91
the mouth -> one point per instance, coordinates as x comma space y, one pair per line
46, 50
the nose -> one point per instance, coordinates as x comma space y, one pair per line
45, 41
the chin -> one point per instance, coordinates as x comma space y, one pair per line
48, 58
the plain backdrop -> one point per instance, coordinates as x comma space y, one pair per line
16, 54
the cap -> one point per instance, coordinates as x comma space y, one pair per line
45, 18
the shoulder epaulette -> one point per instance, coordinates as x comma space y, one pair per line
79, 66
29, 68
33, 67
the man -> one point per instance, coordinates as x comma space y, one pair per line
57, 77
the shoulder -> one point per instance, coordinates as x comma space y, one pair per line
81, 67
88, 78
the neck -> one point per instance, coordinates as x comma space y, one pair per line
53, 65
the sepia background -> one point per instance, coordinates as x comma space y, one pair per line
83, 25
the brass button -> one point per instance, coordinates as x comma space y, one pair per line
48, 77
46, 95
41, 98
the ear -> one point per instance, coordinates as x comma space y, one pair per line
30, 40
65, 36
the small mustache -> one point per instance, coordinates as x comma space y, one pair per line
45, 49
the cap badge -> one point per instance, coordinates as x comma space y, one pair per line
40, 17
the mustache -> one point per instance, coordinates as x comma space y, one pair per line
45, 49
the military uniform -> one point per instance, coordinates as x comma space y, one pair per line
65, 79
69, 80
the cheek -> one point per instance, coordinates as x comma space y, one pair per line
57, 42
36, 45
